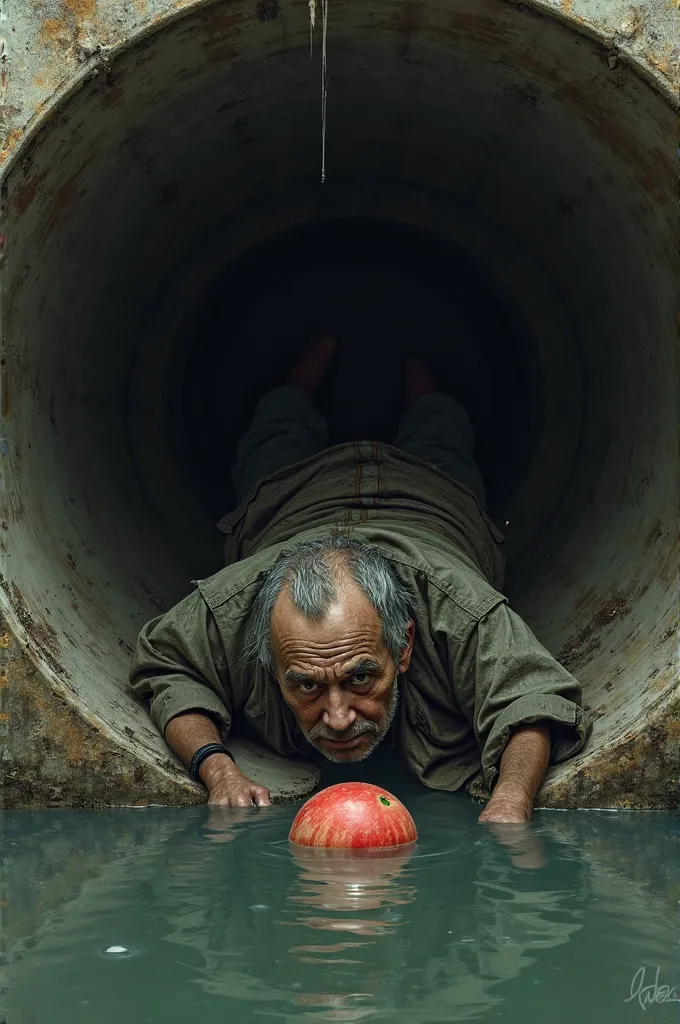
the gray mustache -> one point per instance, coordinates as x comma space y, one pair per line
322, 732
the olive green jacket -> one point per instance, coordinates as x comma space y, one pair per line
477, 671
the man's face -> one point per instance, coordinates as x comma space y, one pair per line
336, 675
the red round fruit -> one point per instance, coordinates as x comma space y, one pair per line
353, 816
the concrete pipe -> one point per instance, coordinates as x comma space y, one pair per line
499, 179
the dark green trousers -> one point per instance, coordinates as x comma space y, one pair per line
287, 428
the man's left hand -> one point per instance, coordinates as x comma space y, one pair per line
507, 806
522, 768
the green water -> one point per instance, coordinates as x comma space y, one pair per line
555, 923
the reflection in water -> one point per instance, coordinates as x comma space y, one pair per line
528, 852
236, 923
351, 880
348, 883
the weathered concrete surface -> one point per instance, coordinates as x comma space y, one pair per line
539, 139
61, 755
49, 44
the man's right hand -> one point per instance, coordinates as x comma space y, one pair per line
229, 787
226, 783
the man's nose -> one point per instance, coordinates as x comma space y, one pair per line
338, 714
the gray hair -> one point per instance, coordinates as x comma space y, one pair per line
310, 571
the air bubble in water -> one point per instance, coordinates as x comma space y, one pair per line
119, 952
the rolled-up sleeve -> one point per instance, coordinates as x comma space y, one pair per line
510, 679
179, 665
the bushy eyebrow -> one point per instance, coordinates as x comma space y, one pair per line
293, 677
367, 665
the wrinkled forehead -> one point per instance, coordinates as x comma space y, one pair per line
350, 628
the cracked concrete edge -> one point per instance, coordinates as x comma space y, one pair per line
48, 47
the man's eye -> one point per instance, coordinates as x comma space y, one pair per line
307, 687
361, 678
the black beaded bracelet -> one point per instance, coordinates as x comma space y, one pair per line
201, 754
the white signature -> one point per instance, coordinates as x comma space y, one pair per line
647, 995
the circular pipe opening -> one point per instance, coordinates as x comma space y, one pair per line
496, 199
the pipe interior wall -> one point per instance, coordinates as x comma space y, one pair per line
496, 194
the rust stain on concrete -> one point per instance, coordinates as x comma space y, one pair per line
12, 140
113, 94
477, 28
641, 770
25, 193
222, 21
54, 32
60, 203
666, 64
62, 199
588, 641
217, 42
83, 10
54, 738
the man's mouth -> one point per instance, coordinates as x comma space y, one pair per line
350, 744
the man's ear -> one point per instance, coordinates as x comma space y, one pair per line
407, 649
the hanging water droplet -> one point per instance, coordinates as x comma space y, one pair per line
324, 84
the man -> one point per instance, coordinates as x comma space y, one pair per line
360, 599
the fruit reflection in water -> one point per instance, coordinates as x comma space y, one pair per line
359, 894
351, 880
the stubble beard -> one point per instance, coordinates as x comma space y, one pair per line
357, 728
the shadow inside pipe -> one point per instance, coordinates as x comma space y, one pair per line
385, 291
